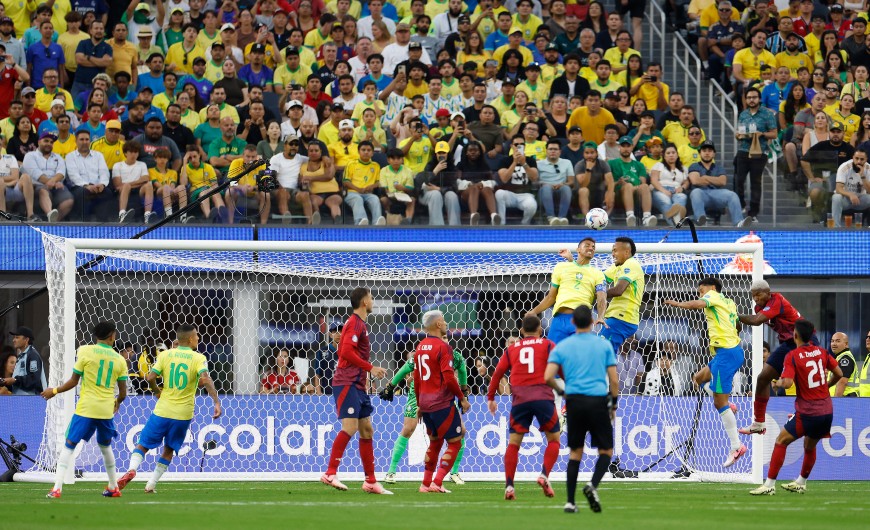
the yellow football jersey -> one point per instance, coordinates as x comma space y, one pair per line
577, 285
721, 313
627, 306
100, 367
180, 369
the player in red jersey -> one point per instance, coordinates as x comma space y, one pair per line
532, 399
349, 390
805, 367
435, 386
775, 311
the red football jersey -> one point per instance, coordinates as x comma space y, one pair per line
434, 380
354, 350
782, 316
808, 366
526, 360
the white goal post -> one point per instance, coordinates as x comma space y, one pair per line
251, 299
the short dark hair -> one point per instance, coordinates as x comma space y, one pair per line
183, 331
395, 152
804, 329
628, 241
531, 323
357, 296
715, 282
365, 143
587, 238
375, 56
582, 317
554, 140
103, 330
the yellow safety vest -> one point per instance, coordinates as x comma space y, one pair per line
864, 383
852, 387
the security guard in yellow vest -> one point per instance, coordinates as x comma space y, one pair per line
848, 385
864, 388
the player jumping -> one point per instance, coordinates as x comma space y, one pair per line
573, 283
717, 377
778, 313
625, 294
409, 424
435, 386
349, 390
532, 399
170, 420
100, 368
805, 367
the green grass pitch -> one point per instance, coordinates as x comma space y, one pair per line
476, 505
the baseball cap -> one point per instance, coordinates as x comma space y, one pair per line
113, 124
415, 46
228, 27
27, 90
647, 114
22, 331
291, 138
402, 26
279, 10
258, 48
533, 66
293, 103
463, 18
625, 140
199, 60
291, 50
551, 46
836, 8
613, 94
708, 144
575, 128
509, 81
457, 115
142, 6
335, 326
176, 10
58, 102
442, 113
337, 105
590, 145
490, 62
515, 29
345, 124
218, 44
6, 20
48, 134
655, 140
442, 147
837, 125
145, 32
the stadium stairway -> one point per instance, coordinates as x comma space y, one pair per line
791, 211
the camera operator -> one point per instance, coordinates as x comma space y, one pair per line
28, 379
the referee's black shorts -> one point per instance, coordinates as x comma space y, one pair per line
588, 414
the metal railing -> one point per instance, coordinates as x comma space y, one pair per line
658, 30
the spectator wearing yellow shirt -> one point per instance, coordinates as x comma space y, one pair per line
618, 56
552, 68
219, 98
125, 56
70, 39
515, 42
813, 38
111, 146
485, 15
306, 56
166, 185
604, 82
315, 38
66, 142
370, 91
244, 191
328, 132
449, 84
344, 151
291, 72
51, 91
417, 148
270, 56
792, 58
396, 179
505, 102
417, 84
371, 131
201, 178
690, 153
651, 89
843, 115
526, 21
591, 118
361, 177
678, 132
654, 148
538, 92
167, 97
209, 34
180, 56
746, 64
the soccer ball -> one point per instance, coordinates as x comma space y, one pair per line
597, 219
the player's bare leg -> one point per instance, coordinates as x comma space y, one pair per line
400, 447
349, 427
762, 396
453, 445
367, 455
776, 461
161, 467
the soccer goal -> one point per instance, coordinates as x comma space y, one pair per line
260, 306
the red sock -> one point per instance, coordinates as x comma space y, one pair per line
760, 408
431, 460
511, 455
338, 446
447, 461
551, 453
776, 461
367, 455
809, 462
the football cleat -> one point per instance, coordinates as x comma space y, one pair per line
544, 483
151, 490
435, 488
591, 495
734, 456
794, 487
125, 479
755, 428
375, 488
570, 507
423, 488
390, 478
332, 480
763, 490
53, 494
509, 493
456, 479
112, 493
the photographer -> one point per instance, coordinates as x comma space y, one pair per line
438, 186
28, 379
417, 148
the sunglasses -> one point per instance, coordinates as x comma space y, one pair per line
818, 74
695, 133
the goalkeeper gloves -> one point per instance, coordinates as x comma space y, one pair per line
387, 393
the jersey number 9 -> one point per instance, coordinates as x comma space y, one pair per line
527, 357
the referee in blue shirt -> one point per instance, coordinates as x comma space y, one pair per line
591, 387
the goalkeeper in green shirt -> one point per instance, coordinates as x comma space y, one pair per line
410, 413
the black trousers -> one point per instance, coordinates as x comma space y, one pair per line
754, 169
98, 205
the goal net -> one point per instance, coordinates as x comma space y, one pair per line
260, 306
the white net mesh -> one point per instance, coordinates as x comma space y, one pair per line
249, 306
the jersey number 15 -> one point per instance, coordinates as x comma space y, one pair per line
423, 367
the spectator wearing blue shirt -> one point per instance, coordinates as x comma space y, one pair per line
499, 37
154, 77
708, 189
556, 176
775, 93
256, 73
325, 361
93, 56
720, 41
591, 388
33, 34
757, 121
197, 79
375, 63
121, 94
44, 55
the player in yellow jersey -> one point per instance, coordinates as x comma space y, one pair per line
100, 368
718, 376
572, 284
626, 293
168, 424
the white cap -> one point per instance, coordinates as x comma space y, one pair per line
345, 124
459, 115
759, 285
58, 102
292, 103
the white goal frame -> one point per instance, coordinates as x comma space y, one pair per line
73, 246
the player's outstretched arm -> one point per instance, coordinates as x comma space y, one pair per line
753, 320
546, 303
690, 304
49, 393
206, 382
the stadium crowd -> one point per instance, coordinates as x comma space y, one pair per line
418, 111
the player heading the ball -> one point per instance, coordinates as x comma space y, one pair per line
806, 367
625, 294
100, 368
531, 400
351, 400
169, 422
